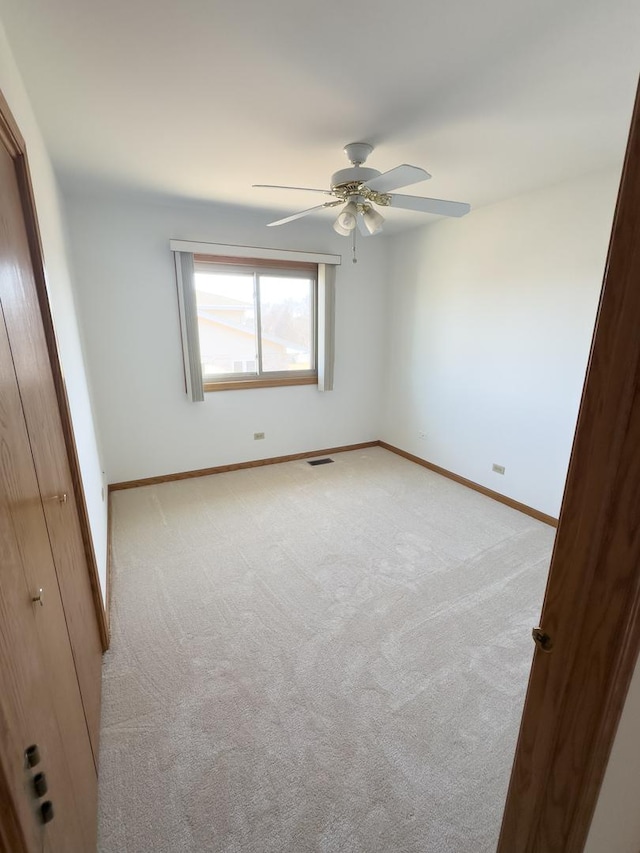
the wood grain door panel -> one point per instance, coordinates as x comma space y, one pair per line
40, 699
40, 404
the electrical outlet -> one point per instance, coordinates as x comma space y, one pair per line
499, 469
258, 435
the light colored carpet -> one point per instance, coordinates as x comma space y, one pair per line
327, 659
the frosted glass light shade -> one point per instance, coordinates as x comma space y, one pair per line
340, 230
346, 221
373, 220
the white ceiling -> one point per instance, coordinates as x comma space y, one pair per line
203, 98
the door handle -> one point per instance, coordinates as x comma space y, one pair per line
543, 641
39, 597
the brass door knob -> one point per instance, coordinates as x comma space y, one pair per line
39, 598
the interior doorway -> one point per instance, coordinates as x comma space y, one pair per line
590, 626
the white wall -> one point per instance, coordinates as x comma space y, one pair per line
127, 301
61, 299
491, 323
616, 823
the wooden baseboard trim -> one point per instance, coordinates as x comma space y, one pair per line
107, 597
527, 510
236, 466
292, 457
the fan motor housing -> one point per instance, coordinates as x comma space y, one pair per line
356, 174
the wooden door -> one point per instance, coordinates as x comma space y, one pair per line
591, 611
50, 655
23, 308
39, 696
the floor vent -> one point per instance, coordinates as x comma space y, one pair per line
319, 461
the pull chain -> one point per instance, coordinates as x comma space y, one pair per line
354, 259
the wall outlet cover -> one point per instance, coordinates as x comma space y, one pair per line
258, 435
499, 469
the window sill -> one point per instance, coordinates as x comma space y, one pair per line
236, 385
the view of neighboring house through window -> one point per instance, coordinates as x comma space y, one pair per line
256, 323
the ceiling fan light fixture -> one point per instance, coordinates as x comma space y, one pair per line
359, 188
373, 220
346, 221
344, 232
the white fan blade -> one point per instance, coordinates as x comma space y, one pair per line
430, 205
401, 176
304, 212
277, 187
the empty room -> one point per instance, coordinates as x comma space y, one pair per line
320, 427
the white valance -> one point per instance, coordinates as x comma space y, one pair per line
197, 248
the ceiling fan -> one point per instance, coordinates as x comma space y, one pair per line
359, 188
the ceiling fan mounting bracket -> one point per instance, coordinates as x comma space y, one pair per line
357, 152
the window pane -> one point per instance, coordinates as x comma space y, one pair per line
286, 314
226, 323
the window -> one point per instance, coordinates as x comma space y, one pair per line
279, 311
256, 322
